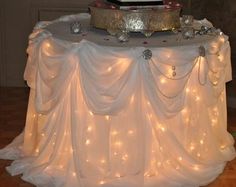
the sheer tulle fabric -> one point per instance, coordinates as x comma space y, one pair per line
105, 116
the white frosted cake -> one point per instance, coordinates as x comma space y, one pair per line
140, 0
137, 3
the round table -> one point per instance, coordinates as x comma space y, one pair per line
148, 112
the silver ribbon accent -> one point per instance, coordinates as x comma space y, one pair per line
75, 27
202, 51
147, 54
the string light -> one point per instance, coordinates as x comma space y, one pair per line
102, 182
132, 99
184, 111
170, 72
91, 113
187, 120
47, 44
114, 133
197, 98
222, 146
103, 161
89, 129
222, 39
109, 69
163, 129
213, 122
61, 166
153, 161
180, 158
87, 142
125, 157
118, 175
221, 58
187, 90
107, 117
215, 109
168, 55
163, 80
192, 147
146, 174
130, 132
118, 143
150, 116
196, 168
54, 115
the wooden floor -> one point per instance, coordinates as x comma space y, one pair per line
13, 105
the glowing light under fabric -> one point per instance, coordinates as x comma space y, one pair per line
105, 116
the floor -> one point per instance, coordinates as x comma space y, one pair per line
13, 105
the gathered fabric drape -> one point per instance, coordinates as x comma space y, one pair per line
110, 117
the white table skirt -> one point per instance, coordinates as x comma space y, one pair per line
100, 114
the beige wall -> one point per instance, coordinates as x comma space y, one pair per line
17, 17
2, 43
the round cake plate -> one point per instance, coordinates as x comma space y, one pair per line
114, 20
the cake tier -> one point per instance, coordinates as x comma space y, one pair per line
135, 2
139, 0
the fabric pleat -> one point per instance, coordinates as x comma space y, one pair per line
101, 116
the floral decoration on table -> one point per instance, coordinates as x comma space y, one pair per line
171, 4
190, 27
75, 27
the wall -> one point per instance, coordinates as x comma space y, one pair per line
17, 18
2, 44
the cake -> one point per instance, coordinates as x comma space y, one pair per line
137, 2
113, 17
